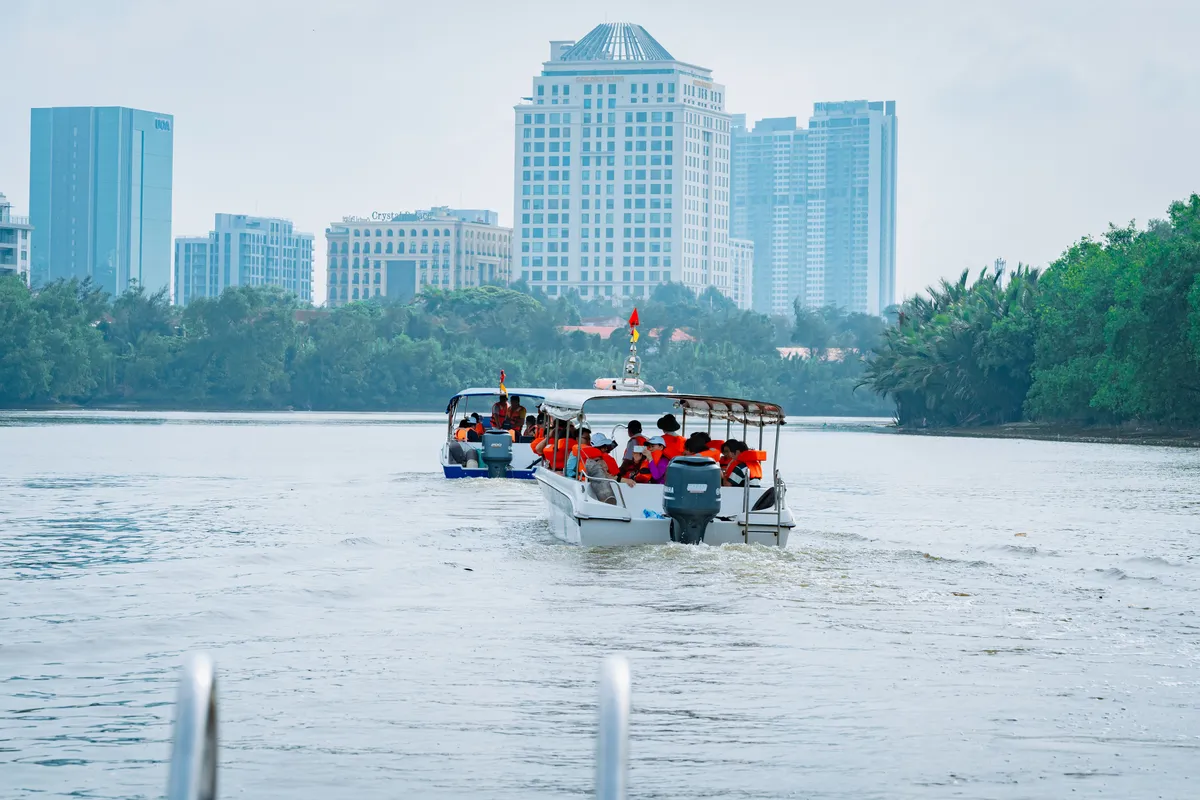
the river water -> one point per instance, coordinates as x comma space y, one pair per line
954, 618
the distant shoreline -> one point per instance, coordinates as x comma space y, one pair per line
1150, 436
1154, 437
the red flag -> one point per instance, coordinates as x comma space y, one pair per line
633, 318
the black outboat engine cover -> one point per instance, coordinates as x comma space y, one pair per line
497, 452
691, 497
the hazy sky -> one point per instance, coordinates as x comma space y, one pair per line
1022, 125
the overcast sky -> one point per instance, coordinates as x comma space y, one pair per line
1022, 125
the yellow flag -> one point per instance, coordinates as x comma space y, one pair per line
634, 336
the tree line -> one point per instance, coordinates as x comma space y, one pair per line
254, 348
1108, 334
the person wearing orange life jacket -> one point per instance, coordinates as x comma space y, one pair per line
499, 412
464, 427
700, 444
637, 469
531, 427
516, 414
636, 439
672, 441
745, 469
572, 467
555, 453
650, 466
598, 450
598, 469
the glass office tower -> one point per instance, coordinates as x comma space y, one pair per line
100, 196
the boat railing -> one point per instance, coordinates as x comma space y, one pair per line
193, 773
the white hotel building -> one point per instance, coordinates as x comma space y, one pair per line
400, 255
622, 170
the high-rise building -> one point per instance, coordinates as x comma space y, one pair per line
770, 207
14, 241
398, 255
196, 272
244, 251
621, 170
100, 196
741, 271
820, 207
852, 206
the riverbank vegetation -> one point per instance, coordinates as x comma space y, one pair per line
1107, 335
69, 344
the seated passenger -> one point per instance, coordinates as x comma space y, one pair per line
476, 432
672, 442
555, 451
700, 444
464, 430
745, 468
531, 428
637, 469
499, 413
572, 468
656, 449
634, 429
516, 414
602, 467
598, 450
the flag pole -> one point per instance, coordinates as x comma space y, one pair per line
633, 364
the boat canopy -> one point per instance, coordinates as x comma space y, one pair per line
568, 404
493, 391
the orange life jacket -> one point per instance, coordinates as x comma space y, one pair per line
639, 472
672, 445
499, 416
558, 459
752, 459
590, 452
539, 439
516, 416
479, 429
715, 455
461, 434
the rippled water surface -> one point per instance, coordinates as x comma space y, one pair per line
954, 618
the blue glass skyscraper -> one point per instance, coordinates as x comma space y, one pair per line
100, 196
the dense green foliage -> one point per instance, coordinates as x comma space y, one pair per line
258, 349
1108, 334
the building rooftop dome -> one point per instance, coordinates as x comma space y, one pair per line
617, 41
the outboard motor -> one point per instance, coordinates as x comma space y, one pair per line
497, 452
691, 497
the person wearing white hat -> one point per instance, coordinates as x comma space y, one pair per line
598, 464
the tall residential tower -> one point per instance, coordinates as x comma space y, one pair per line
621, 170
100, 196
770, 207
852, 206
820, 207
244, 251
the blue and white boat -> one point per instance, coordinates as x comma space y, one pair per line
466, 459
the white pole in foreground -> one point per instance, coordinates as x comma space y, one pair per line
612, 741
194, 751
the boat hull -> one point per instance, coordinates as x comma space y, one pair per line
576, 517
455, 471
522, 468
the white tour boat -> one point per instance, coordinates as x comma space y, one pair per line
691, 506
496, 453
